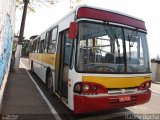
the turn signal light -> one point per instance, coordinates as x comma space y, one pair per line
78, 87
85, 87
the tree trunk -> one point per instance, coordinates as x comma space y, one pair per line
19, 46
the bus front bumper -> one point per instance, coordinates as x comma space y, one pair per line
84, 104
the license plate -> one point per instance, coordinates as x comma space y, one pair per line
124, 98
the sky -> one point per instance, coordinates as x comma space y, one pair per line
146, 10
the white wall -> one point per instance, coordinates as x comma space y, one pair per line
155, 72
7, 16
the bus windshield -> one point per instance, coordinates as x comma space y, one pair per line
104, 48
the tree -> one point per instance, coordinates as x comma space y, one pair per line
19, 4
19, 46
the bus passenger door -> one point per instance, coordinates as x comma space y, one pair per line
64, 62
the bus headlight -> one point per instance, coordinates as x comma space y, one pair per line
85, 87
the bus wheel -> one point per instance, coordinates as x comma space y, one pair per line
32, 67
50, 81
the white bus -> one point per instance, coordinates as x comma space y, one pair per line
94, 59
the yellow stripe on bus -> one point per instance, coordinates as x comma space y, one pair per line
43, 58
117, 82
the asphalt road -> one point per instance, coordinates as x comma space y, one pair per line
148, 111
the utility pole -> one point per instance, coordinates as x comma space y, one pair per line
23, 21
19, 46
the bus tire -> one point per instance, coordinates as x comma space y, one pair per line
49, 81
32, 68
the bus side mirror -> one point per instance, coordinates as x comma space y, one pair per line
73, 30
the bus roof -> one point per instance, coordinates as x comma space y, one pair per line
109, 10
109, 16
75, 10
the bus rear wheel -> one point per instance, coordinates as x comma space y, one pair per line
50, 81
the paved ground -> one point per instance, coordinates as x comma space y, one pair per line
152, 106
21, 97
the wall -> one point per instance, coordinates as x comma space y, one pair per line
154, 71
7, 17
155, 67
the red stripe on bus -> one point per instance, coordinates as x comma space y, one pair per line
91, 13
84, 104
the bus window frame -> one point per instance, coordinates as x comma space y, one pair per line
46, 42
34, 46
37, 45
41, 49
51, 41
70, 63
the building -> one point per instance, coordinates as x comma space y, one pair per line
7, 17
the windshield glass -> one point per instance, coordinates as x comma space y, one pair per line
101, 48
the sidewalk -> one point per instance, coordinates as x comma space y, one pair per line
155, 87
21, 98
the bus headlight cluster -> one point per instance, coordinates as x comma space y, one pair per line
86, 87
89, 88
145, 85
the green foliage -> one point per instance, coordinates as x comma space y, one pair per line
14, 45
26, 44
34, 3
20, 4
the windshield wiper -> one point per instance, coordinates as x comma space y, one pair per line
132, 38
112, 36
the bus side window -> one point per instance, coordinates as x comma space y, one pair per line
37, 45
34, 46
46, 42
68, 50
52, 42
41, 50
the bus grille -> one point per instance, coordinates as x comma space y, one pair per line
122, 90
